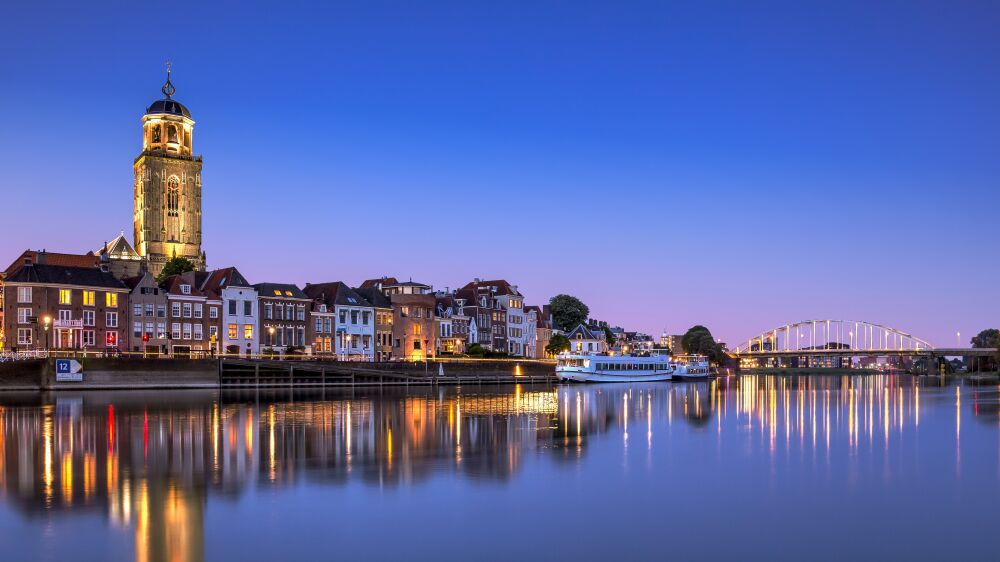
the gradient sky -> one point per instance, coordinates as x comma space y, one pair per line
736, 164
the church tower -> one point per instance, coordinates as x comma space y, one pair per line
167, 199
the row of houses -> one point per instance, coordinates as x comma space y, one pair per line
98, 302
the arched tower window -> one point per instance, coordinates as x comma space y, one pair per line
173, 196
155, 134
172, 133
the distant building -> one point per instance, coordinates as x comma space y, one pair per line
383, 321
147, 316
584, 340
193, 317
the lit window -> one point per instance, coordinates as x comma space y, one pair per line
232, 331
248, 331
277, 293
111, 299
173, 196
65, 296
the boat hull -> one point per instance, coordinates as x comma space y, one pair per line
572, 375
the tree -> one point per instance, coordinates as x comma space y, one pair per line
609, 336
558, 344
475, 349
175, 266
568, 312
986, 339
699, 341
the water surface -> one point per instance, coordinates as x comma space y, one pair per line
826, 468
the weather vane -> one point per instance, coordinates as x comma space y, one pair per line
168, 88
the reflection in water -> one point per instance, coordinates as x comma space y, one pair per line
150, 462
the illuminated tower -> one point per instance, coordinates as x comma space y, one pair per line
168, 186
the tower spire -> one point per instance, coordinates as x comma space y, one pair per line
168, 88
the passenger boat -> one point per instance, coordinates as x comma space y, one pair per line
595, 367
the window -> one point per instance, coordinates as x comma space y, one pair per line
247, 308
175, 310
111, 299
268, 312
290, 311
187, 330
416, 329
300, 312
213, 332
137, 329
232, 308
366, 317
185, 289
149, 310
161, 330
24, 336
23, 314
149, 329
187, 310
199, 310
213, 312
111, 339
198, 333
136, 310
161, 311
175, 330
173, 193
343, 317
65, 296
319, 324
88, 298
328, 325
354, 317
88, 317
232, 331
111, 319
248, 331
301, 336
24, 294
88, 338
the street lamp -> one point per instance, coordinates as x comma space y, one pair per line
270, 339
46, 321
958, 339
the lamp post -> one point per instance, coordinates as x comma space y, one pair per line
270, 339
958, 339
46, 322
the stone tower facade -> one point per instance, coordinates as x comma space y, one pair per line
167, 198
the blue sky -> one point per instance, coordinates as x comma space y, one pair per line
741, 165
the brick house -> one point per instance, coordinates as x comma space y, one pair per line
239, 310
194, 317
147, 317
283, 316
85, 308
414, 335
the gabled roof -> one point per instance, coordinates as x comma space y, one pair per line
119, 248
335, 293
584, 331
52, 258
172, 285
374, 297
375, 283
214, 282
279, 290
502, 287
48, 274
144, 279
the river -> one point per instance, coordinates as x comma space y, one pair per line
824, 468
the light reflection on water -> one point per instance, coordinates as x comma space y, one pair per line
139, 473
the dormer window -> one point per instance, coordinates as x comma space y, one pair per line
322, 308
185, 289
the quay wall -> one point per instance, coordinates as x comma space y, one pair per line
149, 373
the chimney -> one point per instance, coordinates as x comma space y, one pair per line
40, 257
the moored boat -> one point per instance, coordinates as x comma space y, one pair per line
602, 367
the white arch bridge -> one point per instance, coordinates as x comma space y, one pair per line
846, 338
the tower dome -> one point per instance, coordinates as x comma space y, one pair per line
168, 105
